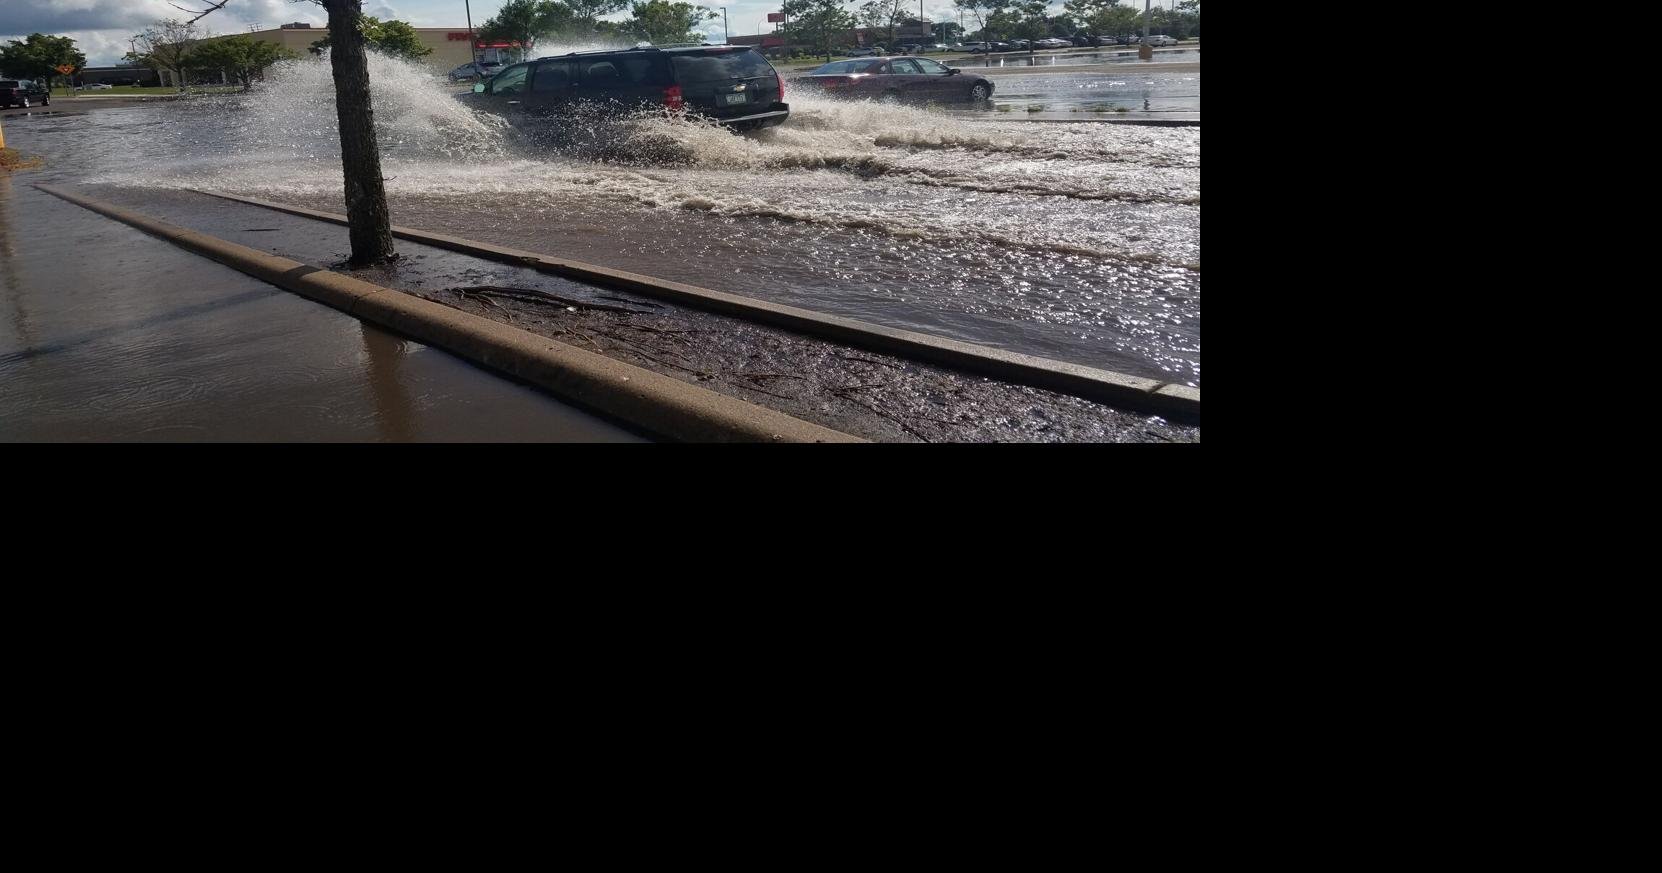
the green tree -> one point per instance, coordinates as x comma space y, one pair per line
527, 21
1031, 22
243, 58
882, 14
166, 48
990, 16
38, 56
817, 24
585, 14
393, 38
1106, 17
662, 22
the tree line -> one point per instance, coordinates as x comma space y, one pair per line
529, 22
824, 25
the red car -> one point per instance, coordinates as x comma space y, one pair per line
898, 78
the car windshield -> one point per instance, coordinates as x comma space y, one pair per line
715, 66
843, 67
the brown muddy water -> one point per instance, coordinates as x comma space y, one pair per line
1079, 242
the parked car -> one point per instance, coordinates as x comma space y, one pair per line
99, 86
24, 93
1053, 43
911, 49
976, 48
897, 79
480, 70
734, 85
860, 52
939, 47
1003, 47
1159, 39
1020, 44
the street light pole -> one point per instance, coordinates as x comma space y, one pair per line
472, 41
725, 36
1143, 51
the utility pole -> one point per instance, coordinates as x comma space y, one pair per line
725, 36
472, 41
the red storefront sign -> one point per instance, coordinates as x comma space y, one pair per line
776, 16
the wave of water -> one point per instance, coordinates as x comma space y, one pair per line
1089, 226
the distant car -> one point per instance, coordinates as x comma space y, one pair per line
1054, 43
939, 47
911, 49
480, 70
100, 86
1020, 44
976, 48
24, 93
896, 79
1159, 39
861, 52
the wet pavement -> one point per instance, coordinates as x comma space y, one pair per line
1072, 241
109, 335
871, 395
1079, 242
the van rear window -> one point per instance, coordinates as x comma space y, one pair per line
8, 83
717, 66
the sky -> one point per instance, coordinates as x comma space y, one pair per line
101, 28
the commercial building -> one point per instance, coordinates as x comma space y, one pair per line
450, 45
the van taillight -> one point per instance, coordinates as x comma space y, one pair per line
781, 80
672, 97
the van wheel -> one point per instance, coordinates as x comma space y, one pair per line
980, 92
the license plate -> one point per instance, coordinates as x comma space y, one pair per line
733, 98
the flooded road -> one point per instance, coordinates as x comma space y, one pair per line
1073, 241
1148, 95
1103, 56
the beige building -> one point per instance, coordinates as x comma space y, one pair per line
449, 44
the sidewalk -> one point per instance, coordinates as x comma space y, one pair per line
109, 335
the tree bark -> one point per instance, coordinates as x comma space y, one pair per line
368, 222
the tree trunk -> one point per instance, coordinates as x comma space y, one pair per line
360, 155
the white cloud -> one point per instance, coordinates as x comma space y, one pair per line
101, 28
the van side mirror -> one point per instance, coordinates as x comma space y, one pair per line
479, 88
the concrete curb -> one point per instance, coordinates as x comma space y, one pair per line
1178, 402
658, 404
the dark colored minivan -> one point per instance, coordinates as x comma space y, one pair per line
733, 85
22, 92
